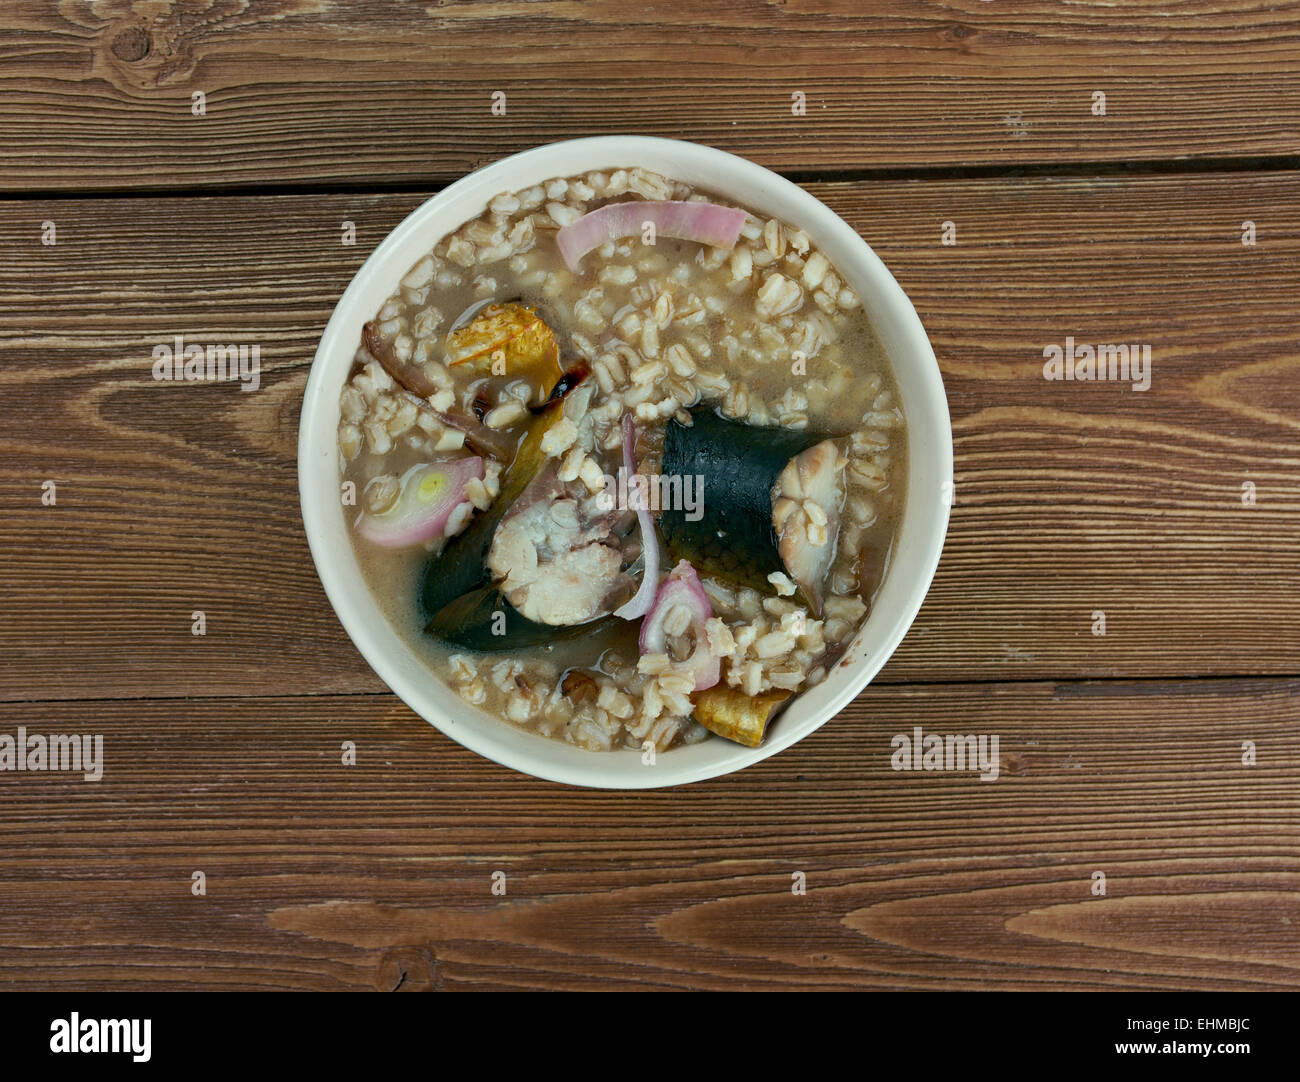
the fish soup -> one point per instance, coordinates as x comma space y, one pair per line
628, 461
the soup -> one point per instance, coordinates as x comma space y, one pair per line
623, 462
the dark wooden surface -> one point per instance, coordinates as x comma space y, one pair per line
98, 93
324, 876
1120, 754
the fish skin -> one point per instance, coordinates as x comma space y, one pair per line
469, 619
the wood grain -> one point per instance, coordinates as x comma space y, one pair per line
1120, 754
379, 875
98, 93
1071, 498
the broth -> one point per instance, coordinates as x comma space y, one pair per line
685, 338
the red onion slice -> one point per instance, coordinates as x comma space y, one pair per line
640, 603
682, 588
706, 223
429, 494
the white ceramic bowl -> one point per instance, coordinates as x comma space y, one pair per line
916, 550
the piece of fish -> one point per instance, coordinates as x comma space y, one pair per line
542, 562
460, 567
745, 471
558, 559
806, 546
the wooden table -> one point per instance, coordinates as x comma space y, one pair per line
1174, 511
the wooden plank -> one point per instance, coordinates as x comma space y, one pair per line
321, 876
99, 93
1072, 498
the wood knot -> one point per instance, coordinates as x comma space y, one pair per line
147, 55
1014, 764
407, 969
130, 45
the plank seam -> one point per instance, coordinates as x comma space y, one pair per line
1135, 168
1072, 681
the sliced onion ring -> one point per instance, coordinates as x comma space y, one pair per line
430, 493
640, 603
707, 223
682, 587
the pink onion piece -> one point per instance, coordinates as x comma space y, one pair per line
706, 223
682, 587
430, 493
640, 603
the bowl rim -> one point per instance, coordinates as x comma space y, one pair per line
800, 208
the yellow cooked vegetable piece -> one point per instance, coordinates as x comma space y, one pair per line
508, 340
735, 715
